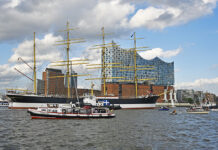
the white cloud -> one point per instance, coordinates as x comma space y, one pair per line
149, 17
162, 14
40, 16
20, 18
6, 71
201, 84
45, 50
9, 76
106, 13
158, 52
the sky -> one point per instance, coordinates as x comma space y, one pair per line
184, 32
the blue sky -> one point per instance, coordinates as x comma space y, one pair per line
185, 32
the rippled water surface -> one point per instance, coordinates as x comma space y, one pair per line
130, 130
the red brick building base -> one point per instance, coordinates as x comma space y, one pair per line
128, 90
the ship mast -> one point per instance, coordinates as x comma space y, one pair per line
68, 62
103, 64
68, 65
135, 68
34, 67
103, 60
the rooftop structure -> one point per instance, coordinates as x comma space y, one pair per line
53, 85
163, 72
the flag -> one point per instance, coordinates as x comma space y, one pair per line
106, 103
132, 35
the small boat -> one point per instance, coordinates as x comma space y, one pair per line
4, 103
163, 108
70, 111
173, 112
197, 110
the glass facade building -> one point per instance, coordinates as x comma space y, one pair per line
162, 72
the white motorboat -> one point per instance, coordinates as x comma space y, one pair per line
197, 110
70, 111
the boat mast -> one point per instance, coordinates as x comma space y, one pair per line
34, 68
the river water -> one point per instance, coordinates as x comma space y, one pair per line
130, 130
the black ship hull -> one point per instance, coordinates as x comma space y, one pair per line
33, 101
17, 101
40, 99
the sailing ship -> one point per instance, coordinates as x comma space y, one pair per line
24, 101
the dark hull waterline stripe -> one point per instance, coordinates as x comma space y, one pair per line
39, 99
